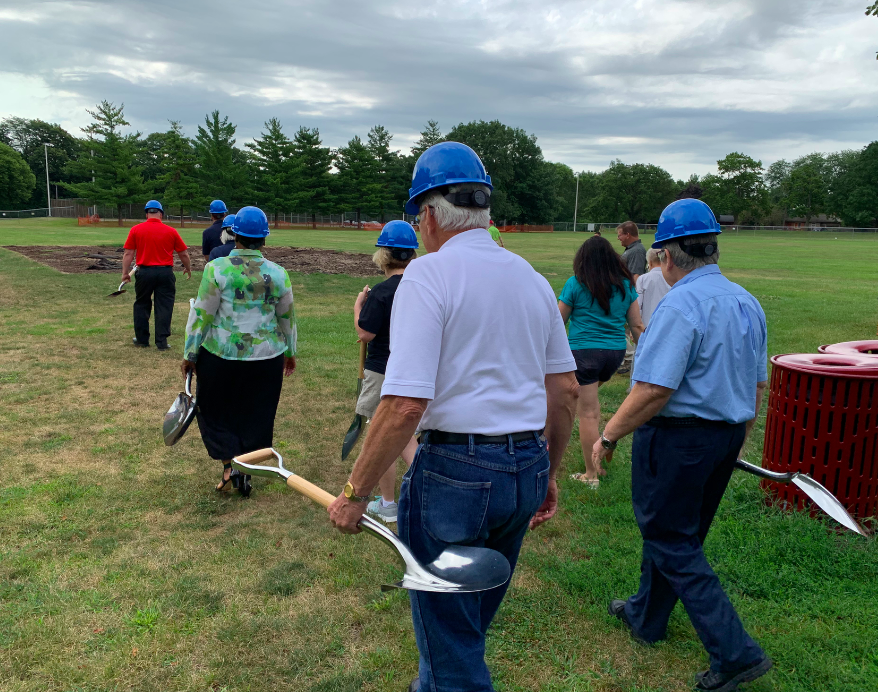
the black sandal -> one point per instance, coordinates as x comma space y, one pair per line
224, 482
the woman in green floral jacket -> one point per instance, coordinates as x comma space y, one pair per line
241, 342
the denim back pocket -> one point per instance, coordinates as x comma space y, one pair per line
454, 511
542, 488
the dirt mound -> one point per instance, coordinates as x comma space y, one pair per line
81, 259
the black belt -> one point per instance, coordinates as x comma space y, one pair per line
439, 437
688, 422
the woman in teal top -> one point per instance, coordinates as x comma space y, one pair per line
597, 301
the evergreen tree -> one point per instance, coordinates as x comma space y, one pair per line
390, 174
313, 162
117, 178
429, 136
355, 184
178, 171
275, 169
223, 169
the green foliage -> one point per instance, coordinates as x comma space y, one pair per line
17, 181
808, 186
222, 168
517, 169
738, 190
430, 135
275, 169
356, 186
27, 138
391, 181
118, 179
854, 186
178, 169
636, 192
312, 194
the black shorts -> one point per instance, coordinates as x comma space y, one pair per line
597, 364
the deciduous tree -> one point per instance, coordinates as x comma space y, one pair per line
17, 180
637, 192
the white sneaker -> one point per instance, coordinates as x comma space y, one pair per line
377, 509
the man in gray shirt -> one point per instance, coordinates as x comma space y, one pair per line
635, 259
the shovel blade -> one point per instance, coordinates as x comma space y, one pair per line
826, 501
351, 437
116, 293
458, 569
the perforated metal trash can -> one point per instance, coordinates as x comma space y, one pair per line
852, 348
823, 420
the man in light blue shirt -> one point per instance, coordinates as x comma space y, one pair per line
700, 372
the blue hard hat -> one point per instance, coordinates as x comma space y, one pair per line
218, 207
446, 163
251, 222
153, 204
398, 234
229, 221
683, 218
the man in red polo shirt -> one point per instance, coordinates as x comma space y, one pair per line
153, 244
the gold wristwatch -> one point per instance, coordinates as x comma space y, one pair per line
351, 495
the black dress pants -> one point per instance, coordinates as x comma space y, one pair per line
679, 476
154, 284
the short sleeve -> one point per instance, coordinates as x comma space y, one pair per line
373, 315
179, 245
130, 242
568, 293
666, 348
762, 352
415, 342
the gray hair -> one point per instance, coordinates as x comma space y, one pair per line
654, 256
687, 262
451, 218
227, 236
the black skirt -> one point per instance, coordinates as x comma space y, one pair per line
237, 403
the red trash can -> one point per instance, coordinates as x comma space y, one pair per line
823, 420
852, 348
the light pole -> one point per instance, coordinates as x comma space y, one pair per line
575, 202
46, 146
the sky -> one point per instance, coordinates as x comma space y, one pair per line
677, 83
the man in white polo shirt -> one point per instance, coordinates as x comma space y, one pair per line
482, 362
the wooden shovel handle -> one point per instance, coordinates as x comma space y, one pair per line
309, 490
362, 374
257, 456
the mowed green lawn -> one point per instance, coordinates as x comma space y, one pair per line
122, 569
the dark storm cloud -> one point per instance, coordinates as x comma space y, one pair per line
679, 83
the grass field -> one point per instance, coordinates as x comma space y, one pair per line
122, 569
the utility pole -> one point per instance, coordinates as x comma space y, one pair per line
576, 202
46, 146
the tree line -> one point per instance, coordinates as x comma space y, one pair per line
111, 165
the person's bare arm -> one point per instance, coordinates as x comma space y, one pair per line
393, 425
127, 261
187, 264
644, 402
562, 392
635, 323
362, 334
565, 309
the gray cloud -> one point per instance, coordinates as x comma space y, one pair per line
677, 83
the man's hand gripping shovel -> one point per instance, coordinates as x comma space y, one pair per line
458, 569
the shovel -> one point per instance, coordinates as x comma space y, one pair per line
119, 291
353, 433
458, 569
180, 415
818, 494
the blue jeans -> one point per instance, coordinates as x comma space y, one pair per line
678, 478
477, 495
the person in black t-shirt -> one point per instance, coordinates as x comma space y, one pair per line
396, 249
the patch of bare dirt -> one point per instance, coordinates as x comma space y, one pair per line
81, 259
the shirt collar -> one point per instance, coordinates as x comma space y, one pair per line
473, 236
246, 253
698, 273
634, 243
